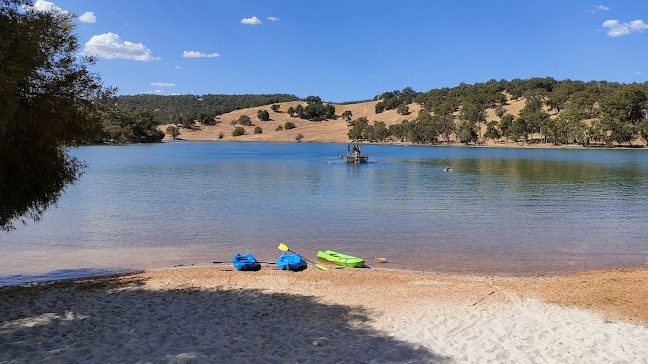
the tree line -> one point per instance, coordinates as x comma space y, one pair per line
557, 112
178, 108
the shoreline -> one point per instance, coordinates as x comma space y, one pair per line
215, 313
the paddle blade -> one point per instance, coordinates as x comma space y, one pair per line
321, 267
283, 247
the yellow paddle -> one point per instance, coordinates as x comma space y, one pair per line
284, 248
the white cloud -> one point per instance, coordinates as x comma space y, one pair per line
163, 84
196, 54
88, 17
47, 6
273, 19
109, 45
251, 21
618, 29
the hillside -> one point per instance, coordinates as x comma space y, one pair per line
332, 130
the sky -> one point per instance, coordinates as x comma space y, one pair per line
352, 50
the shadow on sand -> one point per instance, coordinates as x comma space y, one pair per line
116, 319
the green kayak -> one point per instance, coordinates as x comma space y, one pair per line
340, 259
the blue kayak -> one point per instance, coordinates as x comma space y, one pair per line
245, 262
288, 261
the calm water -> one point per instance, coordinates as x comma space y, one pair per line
498, 210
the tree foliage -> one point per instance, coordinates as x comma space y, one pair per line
124, 126
263, 115
49, 101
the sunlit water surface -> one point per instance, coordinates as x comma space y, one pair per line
499, 210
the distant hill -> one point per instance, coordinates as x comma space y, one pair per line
538, 111
171, 108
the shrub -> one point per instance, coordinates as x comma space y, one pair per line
258, 130
238, 131
299, 137
279, 128
289, 125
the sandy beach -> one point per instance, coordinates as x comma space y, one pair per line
376, 315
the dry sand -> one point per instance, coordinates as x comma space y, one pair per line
216, 314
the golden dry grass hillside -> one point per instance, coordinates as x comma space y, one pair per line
331, 130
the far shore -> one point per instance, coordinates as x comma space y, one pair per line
336, 130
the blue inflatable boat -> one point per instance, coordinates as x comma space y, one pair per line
245, 262
288, 261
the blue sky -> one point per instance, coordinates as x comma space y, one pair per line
353, 50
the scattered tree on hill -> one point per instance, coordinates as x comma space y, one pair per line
263, 115
289, 125
49, 101
403, 110
299, 110
347, 116
239, 130
173, 131
275, 107
258, 130
291, 111
315, 109
244, 120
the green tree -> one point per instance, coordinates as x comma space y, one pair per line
244, 120
49, 101
358, 129
239, 130
621, 111
474, 113
399, 131
275, 107
289, 125
403, 109
506, 126
492, 132
263, 115
377, 132
466, 132
258, 130
299, 110
347, 116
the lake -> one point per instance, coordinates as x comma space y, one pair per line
498, 210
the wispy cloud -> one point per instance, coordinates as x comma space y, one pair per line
617, 29
251, 21
598, 8
109, 46
163, 84
88, 17
273, 19
196, 54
